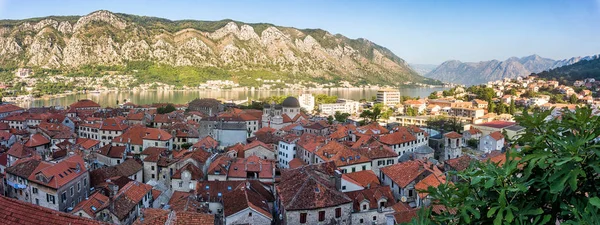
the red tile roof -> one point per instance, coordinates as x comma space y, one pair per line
398, 137
84, 103
239, 168
18, 150
295, 163
372, 195
309, 187
161, 216
460, 163
112, 151
36, 140
59, 174
497, 135
340, 154
365, 178
87, 143
452, 135
242, 198
128, 197
206, 143
497, 124
7, 108
195, 172
430, 181
406, 172
23, 213
113, 124
94, 203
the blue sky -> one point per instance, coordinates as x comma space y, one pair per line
424, 31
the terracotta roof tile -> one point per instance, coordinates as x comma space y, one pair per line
365, 178
23, 213
372, 195
452, 135
309, 187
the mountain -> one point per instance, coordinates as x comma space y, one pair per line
469, 73
585, 67
196, 50
422, 69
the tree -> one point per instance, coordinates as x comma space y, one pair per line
432, 96
501, 108
573, 99
553, 179
330, 119
512, 109
341, 117
410, 111
166, 109
491, 107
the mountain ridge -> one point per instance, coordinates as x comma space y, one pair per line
103, 38
470, 73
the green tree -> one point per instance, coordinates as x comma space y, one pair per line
330, 119
166, 109
573, 99
512, 109
341, 117
491, 106
553, 178
432, 96
501, 108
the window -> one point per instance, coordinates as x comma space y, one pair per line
344, 187
321, 215
78, 186
410, 193
338, 212
250, 214
34, 190
64, 197
362, 221
364, 207
302, 217
71, 191
37, 201
374, 218
180, 183
152, 176
152, 167
85, 182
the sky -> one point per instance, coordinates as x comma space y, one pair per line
419, 31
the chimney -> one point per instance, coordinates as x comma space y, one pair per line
338, 180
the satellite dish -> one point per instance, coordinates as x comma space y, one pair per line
403, 199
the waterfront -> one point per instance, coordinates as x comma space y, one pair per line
109, 99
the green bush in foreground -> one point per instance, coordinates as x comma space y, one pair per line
553, 178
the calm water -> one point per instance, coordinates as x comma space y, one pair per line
147, 97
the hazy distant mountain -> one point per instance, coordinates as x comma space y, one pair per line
481, 72
585, 67
422, 69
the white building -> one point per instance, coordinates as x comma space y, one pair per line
491, 142
389, 97
307, 101
343, 106
286, 150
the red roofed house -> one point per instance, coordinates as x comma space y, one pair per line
157, 138
308, 195
110, 155
59, 186
111, 128
186, 178
127, 203
84, 104
371, 205
433, 180
400, 141
359, 181
8, 109
18, 212
252, 168
346, 160
259, 149
40, 144
92, 206
452, 145
403, 177
491, 142
246, 206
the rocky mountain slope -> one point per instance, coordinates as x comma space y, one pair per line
585, 67
117, 40
481, 72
